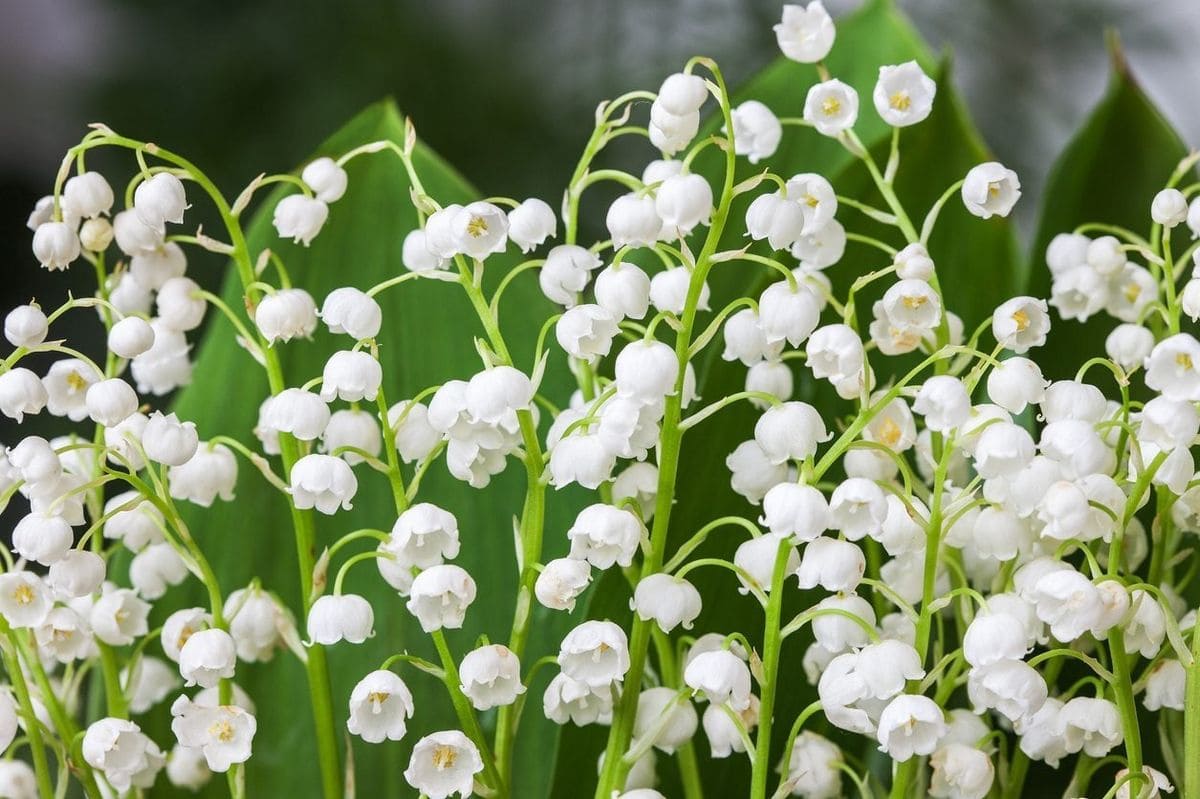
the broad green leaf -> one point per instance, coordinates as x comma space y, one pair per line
426, 340
1108, 173
979, 266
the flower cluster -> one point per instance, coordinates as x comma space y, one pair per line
991, 567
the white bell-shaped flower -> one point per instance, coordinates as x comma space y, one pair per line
721, 676
990, 189
323, 482
300, 218
561, 582
786, 314
25, 600
21, 393
756, 131
633, 220
353, 312
41, 538
119, 617
55, 245
168, 441
904, 95
208, 657
160, 199
910, 725
678, 726
595, 653
351, 376
831, 107
224, 734
790, 431
960, 771
26, 326
724, 737
444, 763
210, 473
380, 707
832, 564
667, 601
156, 568
440, 596
79, 572
131, 337
338, 617
326, 179
603, 535
623, 290
479, 229
87, 195
1092, 726
805, 33
531, 223
121, 751
286, 314
491, 676
797, 511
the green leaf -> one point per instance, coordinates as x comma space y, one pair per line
426, 340
978, 265
1108, 173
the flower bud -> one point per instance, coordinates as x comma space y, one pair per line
1169, 208
670, 132
416, 255
623, 290
770, 377
110, 402
633, 220
21, 392
179, 305
682, 93
131, 337
914, 263
326, 179
25, 326
96, 234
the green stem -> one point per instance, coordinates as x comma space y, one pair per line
466, 714
772, 642
614, 770
1122, 686
33, 728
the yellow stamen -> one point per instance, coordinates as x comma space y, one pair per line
1022, 320
831, 106
477, 226
23, 594
900, 101
1132, 291
889, 433
222, 731
1183, 361
76, 381
444, 757
915, 301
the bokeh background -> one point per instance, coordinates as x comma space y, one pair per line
503, 89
